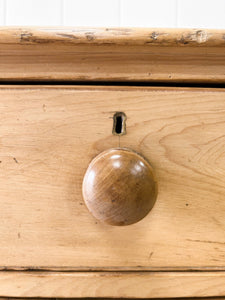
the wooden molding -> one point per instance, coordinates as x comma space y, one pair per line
113, 36
112, 54
112, 284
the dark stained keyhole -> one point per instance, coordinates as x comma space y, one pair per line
119, 123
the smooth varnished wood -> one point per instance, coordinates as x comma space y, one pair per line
112, 54
113, 284
48, 137
119, 187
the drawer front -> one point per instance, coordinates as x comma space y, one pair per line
49, 135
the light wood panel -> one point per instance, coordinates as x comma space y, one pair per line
112, 284
49, 135
112, 54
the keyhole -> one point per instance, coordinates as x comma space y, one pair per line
119, 123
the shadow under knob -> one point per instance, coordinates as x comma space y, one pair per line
119, 187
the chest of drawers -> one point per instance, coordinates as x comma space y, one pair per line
69, 95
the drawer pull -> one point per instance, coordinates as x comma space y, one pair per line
119, 187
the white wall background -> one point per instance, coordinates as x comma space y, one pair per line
114, 13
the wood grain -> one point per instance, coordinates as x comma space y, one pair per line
49, 135
112, 284
113, 36
112, 54
119, 187
108, 298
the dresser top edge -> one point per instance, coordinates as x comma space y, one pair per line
112, 55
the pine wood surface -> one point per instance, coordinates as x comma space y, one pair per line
112, 54
112, 284
49, 135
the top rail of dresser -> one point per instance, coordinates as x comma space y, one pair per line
112, 55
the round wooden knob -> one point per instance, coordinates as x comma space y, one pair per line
119, 187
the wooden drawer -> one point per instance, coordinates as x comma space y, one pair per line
64, 95
49, 135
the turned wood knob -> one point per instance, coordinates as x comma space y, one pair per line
119, 187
